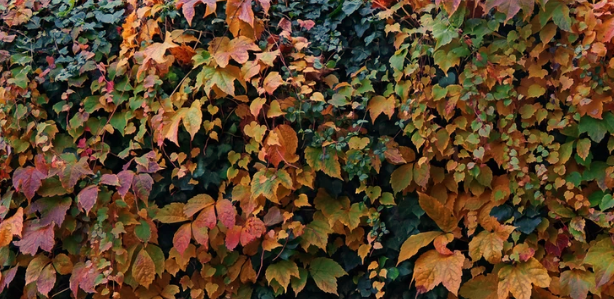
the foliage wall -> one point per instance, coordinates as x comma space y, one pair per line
306, 149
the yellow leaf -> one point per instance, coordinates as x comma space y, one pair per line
489, 245
272, 81
193, 118
433, 268
379, 104
282, 272
222, 49
480, 287
519, 278
256, 105
414, 243
144, 269
439, 213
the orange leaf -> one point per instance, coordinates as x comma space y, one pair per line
144, 269
226, 212
222, 49
188, 8
439, 213
414, 243
519, 278
433, 268
182, 238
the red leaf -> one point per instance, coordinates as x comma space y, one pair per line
84, 276
253, 229
52, 209
307, 25
74, 172
110, 179
241, 9
141, 185
87, 198
27, 180
46, 280
226, 213
188, 8
36, 236
182, 238
7, 278
206, 218
200, 233
233, 236
125, 181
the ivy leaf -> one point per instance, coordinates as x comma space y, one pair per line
489, 244
438, 212
272, 81
182, 238
222, 49
519, 278
584, 148
171, 124
144, 269
46, 280
156, 52
326, 161
193, 118
110, 179
443, 34
142, 185
282, 272
7, 278
85, 277
198, 203
595, 128
241, 9
73, 172
36, 236
28, 180
226, 212
233, 236
433, 268
379, 104
299, 283
254, 228
207, 218
87, 198
35, 267
601, 256
200, 232
511, 8
223, 78
576, 283
125, 180
401, 177
286, 149
480, 287
414, 243
325, 272
52, 210
266, 182
187, 7
316, 233
171, 213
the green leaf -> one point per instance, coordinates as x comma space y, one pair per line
607, 202
601, 256
595, 128
401, 177
325, 272
282, 272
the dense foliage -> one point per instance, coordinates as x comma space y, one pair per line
303, 149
